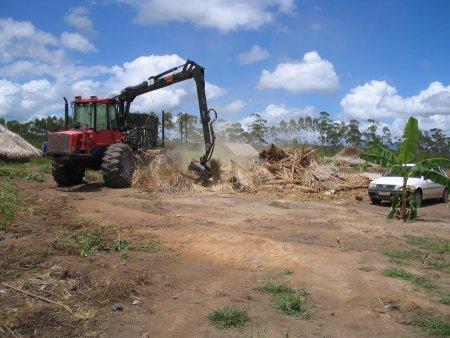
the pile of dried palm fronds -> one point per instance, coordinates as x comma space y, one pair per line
287, 171
300, 169
14, 147
162, 175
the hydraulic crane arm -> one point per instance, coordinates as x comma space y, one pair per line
188, 71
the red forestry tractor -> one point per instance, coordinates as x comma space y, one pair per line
104, 134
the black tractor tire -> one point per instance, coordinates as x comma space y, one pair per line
376, 201
418, 196
444, 197
118, 165
66, 174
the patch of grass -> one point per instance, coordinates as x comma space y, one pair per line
290, 301
13, 273
229, 317
8, 202
151, 245
445, 299
293, 304
123, 246
90, 241
91, 176
399, 273
85, 315
399, 255
44, 163
11, 172
438, 264
437, 245
434, 325
275, 288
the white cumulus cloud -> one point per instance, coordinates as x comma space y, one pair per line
378, 99
76, 42
234, 106
274, 113
78, 18
38, 97
312, 74
256, 53
224, 15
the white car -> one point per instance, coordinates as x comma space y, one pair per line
390, 185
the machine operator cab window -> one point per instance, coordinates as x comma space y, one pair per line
94, 115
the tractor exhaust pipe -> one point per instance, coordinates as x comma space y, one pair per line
66, 115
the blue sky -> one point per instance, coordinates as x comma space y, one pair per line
354, 59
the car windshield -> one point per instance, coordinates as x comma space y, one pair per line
408, 168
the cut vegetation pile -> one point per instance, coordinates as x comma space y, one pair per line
14, 147
293, 171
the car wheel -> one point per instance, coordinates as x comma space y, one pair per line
375, 200
444, 198
418, 197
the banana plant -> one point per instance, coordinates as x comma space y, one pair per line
397, 165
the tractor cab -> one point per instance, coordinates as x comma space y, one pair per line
94, 113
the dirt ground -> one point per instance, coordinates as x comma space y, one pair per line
214, 250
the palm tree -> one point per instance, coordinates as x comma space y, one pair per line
407, 154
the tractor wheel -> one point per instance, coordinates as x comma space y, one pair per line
375, 200
66, 175
118, 165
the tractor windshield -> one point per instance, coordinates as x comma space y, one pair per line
84, 114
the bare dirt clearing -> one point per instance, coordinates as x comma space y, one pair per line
212, 250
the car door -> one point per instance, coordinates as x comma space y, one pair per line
436, 189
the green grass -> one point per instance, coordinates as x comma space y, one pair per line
399, 273
275, 288
445, 299
92, 176
399, 255
292, 304
438, 264
19, 170
290, 301
151, 245
436, 245
434, 326
91, 241
8, 202
229, 317
123, 246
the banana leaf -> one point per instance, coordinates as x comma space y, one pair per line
430, 174
434, 162
386, 153
410, 141
397, 169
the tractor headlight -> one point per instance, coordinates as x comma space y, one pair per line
372, 185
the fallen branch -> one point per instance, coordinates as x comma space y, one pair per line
44, 299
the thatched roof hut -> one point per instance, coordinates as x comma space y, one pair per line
14, 147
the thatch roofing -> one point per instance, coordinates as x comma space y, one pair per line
14, 147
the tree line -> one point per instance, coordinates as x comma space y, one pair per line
321, 131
